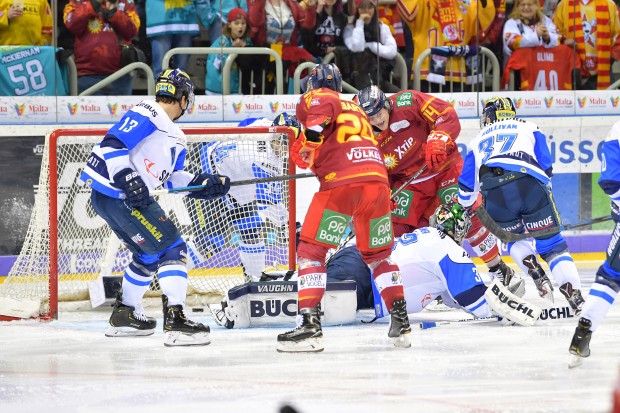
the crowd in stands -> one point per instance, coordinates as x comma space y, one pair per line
540, 44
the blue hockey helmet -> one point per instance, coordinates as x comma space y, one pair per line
325, 75
175, 83
453, 220
372, 100
497, 109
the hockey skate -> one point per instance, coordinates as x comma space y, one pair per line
399, 324
536, 271
573, 297
307, 337
127, 321
580, 345
507, 276
179, 331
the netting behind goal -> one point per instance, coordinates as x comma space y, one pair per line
68, 246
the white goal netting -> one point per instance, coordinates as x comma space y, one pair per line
87, 249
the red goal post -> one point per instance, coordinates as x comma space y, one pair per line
67, 246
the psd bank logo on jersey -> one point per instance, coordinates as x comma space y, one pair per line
381, 231
332, 227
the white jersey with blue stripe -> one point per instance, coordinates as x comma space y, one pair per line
431, 263
155, 147
610, 164
246, 159
514, 145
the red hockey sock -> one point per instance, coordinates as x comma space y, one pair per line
388, 281
311, 282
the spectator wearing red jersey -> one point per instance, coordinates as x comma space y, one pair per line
99, 27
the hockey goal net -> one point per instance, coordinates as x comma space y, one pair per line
67, 246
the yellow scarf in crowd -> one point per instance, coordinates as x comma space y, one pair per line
603, 38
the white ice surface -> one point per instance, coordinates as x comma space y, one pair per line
70, 366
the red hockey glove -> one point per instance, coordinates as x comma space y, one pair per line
438, 146
303, 151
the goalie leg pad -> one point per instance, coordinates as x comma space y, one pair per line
274, 303
509, 306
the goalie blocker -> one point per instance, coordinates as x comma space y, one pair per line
274, 303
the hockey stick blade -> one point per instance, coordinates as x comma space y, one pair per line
507, 236
424, 325
235, 183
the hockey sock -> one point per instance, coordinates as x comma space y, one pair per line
173, 282
599, 302
311, 283
564, 270
135, 283
388, 281
519, 250
253, 258
483, 243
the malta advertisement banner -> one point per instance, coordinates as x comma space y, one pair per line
209, 109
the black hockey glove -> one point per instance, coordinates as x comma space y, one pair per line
136, 191
216, 186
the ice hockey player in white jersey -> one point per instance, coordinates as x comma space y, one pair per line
251, 205
142, 152
606, 285
432, 263
510, 164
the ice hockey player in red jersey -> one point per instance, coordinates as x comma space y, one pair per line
420, 130
339, 146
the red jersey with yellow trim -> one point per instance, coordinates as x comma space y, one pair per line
412, 118
349, 152
544, 68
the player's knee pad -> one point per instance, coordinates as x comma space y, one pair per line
483, 243
312, 252
175, 254
520, 249
380, 263
605, 278
147, 270
304, 263
552, 247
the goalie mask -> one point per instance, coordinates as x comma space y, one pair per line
175, 83
453, 220
497, 109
